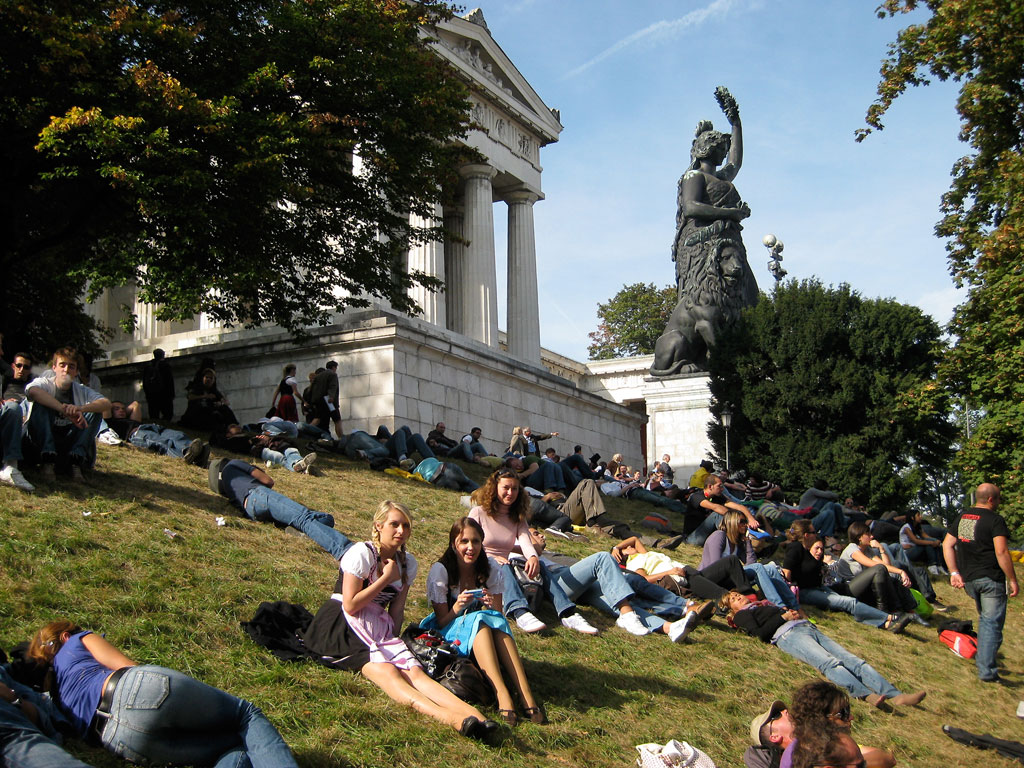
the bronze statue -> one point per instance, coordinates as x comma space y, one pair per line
713, 278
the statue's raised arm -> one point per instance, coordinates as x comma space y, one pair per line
732, 111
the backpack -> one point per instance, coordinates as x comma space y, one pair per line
963, 645
657, 521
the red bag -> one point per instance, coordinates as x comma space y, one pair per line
962, 645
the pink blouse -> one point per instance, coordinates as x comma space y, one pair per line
502, 536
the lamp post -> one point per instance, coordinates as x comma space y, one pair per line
726, 418
774, 246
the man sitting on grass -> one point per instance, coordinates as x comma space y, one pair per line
65, 417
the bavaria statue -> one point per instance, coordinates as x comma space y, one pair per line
713, 278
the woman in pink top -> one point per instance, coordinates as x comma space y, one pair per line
502, 511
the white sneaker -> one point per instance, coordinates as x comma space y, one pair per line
577, 622
678, 630
632, 624
407, 464
303, 464
527, 622
11, 475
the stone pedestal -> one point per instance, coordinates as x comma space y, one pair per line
679, 411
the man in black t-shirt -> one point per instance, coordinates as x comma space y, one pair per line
978, 558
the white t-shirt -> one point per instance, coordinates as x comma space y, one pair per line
438, 590
905, 532
652, 562
361, 560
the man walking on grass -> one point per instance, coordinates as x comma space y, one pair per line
978, 558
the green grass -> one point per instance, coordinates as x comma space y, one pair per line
178, 602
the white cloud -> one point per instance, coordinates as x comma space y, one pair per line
657, 32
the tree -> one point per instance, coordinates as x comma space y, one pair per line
631, 321
824, 384
204, 151
977, 43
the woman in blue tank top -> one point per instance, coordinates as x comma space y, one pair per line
150, 714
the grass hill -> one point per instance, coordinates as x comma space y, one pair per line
101, 554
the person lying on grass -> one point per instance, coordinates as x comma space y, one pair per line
151, 714
464, 586
358, 625
803, 641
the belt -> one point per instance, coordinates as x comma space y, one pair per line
106, 700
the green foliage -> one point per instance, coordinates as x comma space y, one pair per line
827, 385
631, 321
977, 43
205, 150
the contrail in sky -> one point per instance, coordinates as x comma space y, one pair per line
661, 30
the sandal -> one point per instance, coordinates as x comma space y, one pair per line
536, 715
509, 716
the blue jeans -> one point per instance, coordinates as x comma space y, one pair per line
368, 444
467, 451
990, 598
400, 442
829, 599
159, 715
805, 643
70, 441
513, 599
453, 478
290, 428
773, 586
11, 431
918, 577
700, 535
547, 476
286, 459
23, 743
263, 504
597, 580
577, 463
654, 599
162, 440
918, 553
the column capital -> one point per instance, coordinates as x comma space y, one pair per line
520, 195
478, 171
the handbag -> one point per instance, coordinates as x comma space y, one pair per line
442, 662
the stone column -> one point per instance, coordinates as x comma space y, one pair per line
523, 316
454, 264
429, 258
479, 293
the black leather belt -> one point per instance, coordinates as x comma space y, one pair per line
106, 700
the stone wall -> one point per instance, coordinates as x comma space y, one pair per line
396, 370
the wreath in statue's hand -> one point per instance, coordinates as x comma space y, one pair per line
727, 103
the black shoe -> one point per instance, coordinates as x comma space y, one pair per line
193, 452
481, 730
898, 625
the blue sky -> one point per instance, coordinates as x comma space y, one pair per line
632, 79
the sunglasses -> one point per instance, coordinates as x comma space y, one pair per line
21, 365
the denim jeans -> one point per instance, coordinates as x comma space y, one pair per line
290, 428
11, 431
368, 444
547, 476
640, 494
597, 581
918, 577
700, 535
404, 440
453, 478
514, 600
990, 598
654, 599
918, 553
805, 643
577, 463
287, 459
159, 715
162, 440
263, 504
467, 451
829, 599
23, 743
72, 442
773, 586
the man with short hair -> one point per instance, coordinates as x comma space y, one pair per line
324, 395
438, 441
470, 448
978, 558
12, 421
65, 416
711, 506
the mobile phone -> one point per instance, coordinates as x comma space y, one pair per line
475, 592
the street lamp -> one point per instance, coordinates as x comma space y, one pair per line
774, 246
726, 418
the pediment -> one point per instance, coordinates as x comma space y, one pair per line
468, 46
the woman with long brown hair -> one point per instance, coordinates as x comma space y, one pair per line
465, 589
